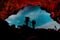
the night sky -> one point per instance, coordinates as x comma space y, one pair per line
42, 17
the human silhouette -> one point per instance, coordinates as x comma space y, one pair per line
27, 20
55, 27
33, 24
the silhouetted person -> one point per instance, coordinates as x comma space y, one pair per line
33, 24
27, 20
55, 28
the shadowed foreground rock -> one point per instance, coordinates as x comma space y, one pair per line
26, 33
